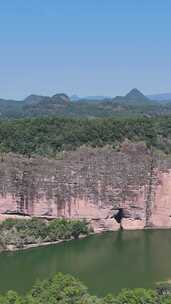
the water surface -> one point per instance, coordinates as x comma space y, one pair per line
105, 263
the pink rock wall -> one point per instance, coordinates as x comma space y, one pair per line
93, 185
101, 217
161, 209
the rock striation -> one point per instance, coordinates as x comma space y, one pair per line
125, 189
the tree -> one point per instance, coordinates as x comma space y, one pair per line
79, 227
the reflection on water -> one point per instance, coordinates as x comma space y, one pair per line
105, 263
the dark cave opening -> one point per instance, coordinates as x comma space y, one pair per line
119, 215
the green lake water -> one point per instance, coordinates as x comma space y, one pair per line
105, 263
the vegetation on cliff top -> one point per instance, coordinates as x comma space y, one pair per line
65, 289
49, 136
22, 232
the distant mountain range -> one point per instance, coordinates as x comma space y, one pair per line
160, 97
157, 97
132, 104
77, 98
134, 93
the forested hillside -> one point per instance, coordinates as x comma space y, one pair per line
49, 136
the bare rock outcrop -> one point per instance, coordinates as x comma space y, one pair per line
161, 209
128, 189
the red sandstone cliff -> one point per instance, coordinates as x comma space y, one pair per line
111, 189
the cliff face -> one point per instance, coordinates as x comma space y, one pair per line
129, 189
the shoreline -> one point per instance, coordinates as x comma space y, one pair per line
13, 248
130, 227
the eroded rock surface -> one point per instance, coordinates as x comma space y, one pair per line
129, 189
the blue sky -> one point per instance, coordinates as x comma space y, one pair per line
87, 47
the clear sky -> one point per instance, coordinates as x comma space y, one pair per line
84, 47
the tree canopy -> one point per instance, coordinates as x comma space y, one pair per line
49, 136
65, 289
